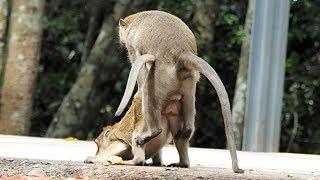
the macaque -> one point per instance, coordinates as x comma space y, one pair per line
115, 142
165, 44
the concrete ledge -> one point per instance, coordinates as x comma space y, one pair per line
44, 169
206, 160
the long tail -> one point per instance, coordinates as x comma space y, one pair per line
204, 68
136, 66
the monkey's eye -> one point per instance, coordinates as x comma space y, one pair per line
106, 133
122, 23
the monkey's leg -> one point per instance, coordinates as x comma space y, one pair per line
181, 142
182, 147
188, 110
156, 159
151, 111
182, 133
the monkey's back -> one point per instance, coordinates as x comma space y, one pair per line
161, 34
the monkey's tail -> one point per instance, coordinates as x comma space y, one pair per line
136, 66
204, 68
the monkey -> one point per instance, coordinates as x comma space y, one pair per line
115, 142
165, 43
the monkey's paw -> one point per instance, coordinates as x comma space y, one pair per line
113, 160
143, 139
238, 170
155, 164
90, 160
182, 165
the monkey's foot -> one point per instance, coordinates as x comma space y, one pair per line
238, 170
155, 163
133, 163
183, 134
144, 138
182, 165
91, 160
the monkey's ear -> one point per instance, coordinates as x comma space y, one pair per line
122, 23
106, 130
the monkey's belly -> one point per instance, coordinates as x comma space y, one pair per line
169, 79
166, 81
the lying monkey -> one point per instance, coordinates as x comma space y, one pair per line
116, 141
165, 42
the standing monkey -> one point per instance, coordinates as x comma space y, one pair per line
169, 46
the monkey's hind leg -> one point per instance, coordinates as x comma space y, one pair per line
188, 109
186, 128
151, 111
181, 142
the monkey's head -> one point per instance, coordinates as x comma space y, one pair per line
104, 140
123, 27
123, 32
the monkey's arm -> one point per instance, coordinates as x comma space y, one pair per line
136, 66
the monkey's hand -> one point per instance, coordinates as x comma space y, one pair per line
104, 160
113, 160
144, 138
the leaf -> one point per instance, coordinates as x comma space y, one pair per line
71, 139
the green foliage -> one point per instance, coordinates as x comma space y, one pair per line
65, 25
302, 83
239, 35
230, 19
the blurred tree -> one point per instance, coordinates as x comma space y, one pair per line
97, 8
65, 24
204, 17
81, 105
21, 67
3, 32
239, 99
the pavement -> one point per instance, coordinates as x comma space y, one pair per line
301, 166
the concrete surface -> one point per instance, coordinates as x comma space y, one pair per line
60, 149
25, 169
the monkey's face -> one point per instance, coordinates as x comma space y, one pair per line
122, 36
122, 32
103, 140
